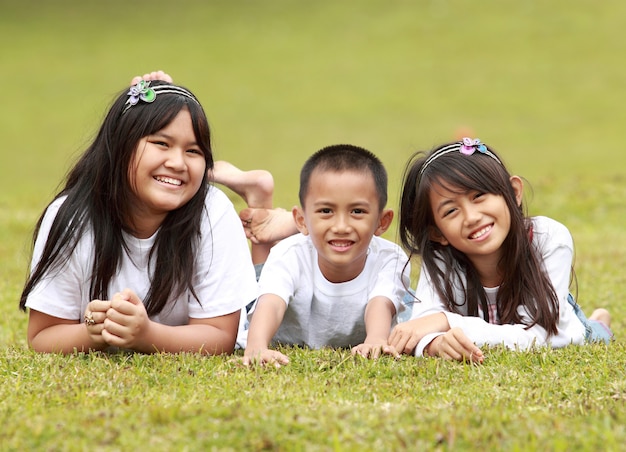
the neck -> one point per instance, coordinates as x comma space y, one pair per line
144, 228
488, 272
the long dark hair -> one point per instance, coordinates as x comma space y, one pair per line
525, 282
98, 192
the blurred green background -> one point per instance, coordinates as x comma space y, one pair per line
541, 82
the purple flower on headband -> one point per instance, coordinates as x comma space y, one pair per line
470, 146
141, 91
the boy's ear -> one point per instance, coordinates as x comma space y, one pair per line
518, 187
436, 236
298, 217
386, 217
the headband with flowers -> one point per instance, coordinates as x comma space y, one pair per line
142, 91
467, 146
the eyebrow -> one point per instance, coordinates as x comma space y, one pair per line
359, 203
443, 203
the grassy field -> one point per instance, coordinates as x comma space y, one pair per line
542, 82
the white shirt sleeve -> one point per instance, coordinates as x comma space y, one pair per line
391, 277
64, 291
225, 278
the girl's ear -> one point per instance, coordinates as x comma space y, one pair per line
386, 217
298, 217
518, 188
436, 236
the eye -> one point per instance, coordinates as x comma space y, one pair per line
448, 212
195, 151
324, 211
359, 211
479, 194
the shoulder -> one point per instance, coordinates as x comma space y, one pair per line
379, 245
216, 200
50, 213
219, 210
295, 244
547, 231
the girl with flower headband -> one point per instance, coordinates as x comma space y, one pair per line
137, 243
490, 274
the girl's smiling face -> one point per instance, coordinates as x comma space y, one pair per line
472, 222
165, 173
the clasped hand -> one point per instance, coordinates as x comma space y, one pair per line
121, 321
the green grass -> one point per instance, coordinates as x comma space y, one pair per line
540, 81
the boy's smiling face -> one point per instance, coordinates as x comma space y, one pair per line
341, 213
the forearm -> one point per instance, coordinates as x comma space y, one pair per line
63, 338
432, 323
378, 315
266, 319
192, 338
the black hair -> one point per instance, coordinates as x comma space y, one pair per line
345, 157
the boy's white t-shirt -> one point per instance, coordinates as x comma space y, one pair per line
556, 249
320, 313
224, 281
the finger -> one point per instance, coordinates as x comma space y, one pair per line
131, 296
389, 350
97, 316
125, 302
98, 305
252, 238
280, 358
466, 347
409, 346
95, 329
360, 350
398, 341
457, 350
393, 336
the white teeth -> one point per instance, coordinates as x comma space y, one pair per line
480, 233
344, 244
168, 180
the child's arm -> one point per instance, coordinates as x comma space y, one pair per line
266, 319
127, 325
378, 315
49, 334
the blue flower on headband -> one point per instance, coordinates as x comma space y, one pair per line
470, 146
141, 91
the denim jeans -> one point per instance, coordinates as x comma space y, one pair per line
595, 331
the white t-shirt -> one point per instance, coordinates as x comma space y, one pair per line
556, 248
224, 281
320, 313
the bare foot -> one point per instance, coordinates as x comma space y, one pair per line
256, 187
267, 225
601, 315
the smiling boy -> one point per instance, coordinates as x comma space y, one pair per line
337, 283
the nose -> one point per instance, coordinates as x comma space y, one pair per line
472, 215
342, 224
176, 159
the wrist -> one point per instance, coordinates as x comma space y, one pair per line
430, 349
